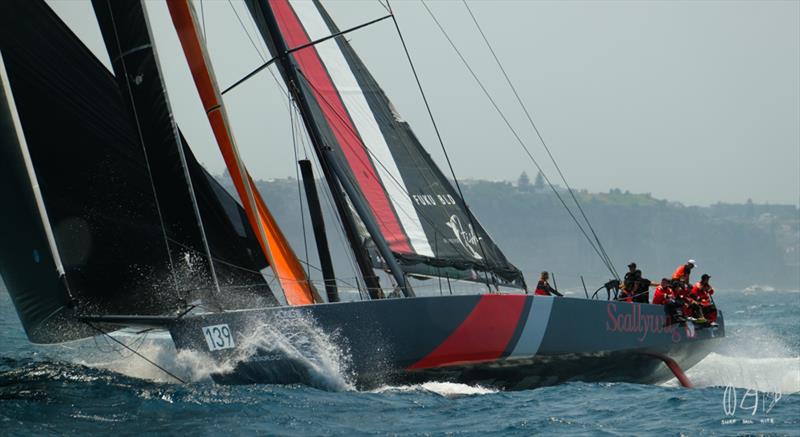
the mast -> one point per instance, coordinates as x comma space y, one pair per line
351, 231
287, 268
317, 222
337, 168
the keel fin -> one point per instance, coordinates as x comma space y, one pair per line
676, 370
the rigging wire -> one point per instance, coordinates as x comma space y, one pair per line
295, 119
297, 176
241, 23
539, 135
436, 128
518, 138
140, 136
328, 196
135, 352
385, 6
258, 51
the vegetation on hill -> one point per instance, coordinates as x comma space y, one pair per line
737, 244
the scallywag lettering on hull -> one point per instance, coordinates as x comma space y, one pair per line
629, 318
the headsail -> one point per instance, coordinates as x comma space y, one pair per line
297, 288
426, 224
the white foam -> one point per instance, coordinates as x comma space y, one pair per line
446, 389
773, 374
298, 337
752, 357
295, 336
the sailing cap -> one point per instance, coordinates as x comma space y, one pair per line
705, 276
692, 262
632, 265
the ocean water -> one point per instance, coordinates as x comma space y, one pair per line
750, 385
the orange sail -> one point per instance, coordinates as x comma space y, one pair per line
287, 268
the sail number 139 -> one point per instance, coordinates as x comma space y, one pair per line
218, 337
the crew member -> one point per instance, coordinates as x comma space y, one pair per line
663, 293
683, 271
630, 283
642, 291
701, 292
543, 288
681, 306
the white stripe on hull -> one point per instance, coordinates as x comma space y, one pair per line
535, 326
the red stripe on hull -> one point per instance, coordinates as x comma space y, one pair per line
337, 117
483, 336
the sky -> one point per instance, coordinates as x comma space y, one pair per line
695, 102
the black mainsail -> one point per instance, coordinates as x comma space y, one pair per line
420, 215
73, 160
202, 221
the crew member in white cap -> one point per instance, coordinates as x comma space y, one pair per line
683, 271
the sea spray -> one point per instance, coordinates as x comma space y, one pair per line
754, 357
296, 336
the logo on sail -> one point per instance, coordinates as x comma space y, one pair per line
467, 237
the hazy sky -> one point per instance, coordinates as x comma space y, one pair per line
696, 102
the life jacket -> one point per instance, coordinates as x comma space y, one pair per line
542, 289
662, 295
680, 273
681, 292
702, 293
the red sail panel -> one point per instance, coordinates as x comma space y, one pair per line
342, 126
284, 263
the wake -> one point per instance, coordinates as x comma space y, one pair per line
761, 361
444, 389
772, 374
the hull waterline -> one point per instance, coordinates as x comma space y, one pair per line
506, 341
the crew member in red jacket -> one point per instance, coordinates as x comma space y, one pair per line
701, 292
683, 271
683, 298
667, 294
663, 293
543, 287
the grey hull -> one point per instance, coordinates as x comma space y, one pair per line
507, 341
